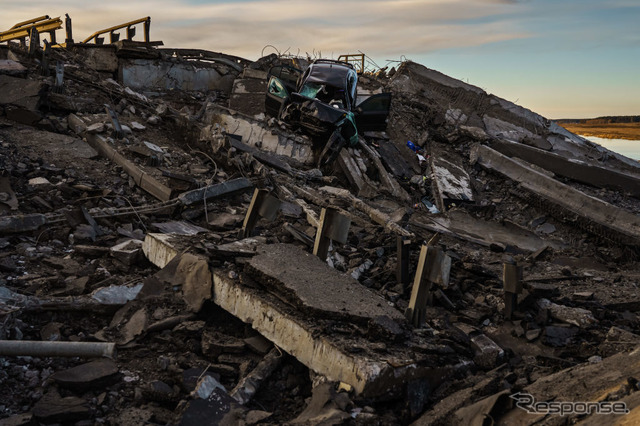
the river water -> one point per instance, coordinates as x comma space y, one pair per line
628, 148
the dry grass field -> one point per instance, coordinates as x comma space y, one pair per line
610, 131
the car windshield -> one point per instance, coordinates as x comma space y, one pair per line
325, 93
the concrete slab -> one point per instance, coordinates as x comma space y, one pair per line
451, 180
369, 372
12, 68
312, 286
21, 98
98, 57
160, 249
593, 214
255, 133
580, 171
462, 225
140, 74
350, 358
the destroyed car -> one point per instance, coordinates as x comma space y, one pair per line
323, 101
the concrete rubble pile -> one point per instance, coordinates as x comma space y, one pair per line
157, 240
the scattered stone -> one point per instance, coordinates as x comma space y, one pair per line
137, 126
214, 344
583, 295
532, 335
160, 392
577, 316
94, 375
39, 181
52, 408
384, 328
546, 228
258, 344
488, 353
51, 332
154, 120
25, 419
559, 336
128, 252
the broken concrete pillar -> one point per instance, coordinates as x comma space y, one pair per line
159, 249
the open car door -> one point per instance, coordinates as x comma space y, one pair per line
276, 98
371, 114
288, 76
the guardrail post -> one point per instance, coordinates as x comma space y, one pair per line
333, 226
69, 31
434, 267
512, 281
402, 268
34, 41
58, 86
118, 133
44, 63
147, 26
262, 205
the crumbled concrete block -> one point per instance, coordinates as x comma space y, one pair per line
90, 376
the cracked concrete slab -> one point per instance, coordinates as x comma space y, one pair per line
311, 285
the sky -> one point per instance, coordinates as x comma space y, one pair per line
559, 58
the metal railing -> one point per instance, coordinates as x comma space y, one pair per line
114, 37
22, 30
356, 59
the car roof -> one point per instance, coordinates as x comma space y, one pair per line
329, 72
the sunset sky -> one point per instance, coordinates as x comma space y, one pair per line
560, 58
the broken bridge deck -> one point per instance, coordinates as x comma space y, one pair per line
306, 282
326, 331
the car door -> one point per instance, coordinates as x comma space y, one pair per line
371, 114
276, 98
288, 76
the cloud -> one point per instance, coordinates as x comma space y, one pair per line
379, 28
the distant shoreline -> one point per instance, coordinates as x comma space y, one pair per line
628, 131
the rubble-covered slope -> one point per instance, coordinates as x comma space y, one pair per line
127, 216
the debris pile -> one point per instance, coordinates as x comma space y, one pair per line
171, 254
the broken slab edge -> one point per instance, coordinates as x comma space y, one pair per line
369, 378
